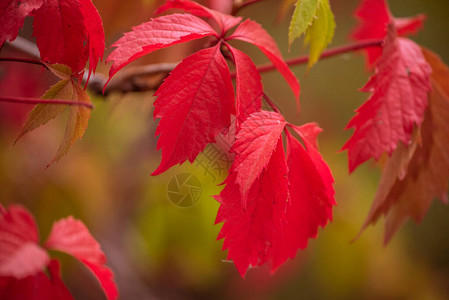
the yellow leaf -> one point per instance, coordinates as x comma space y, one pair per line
305, 11
321, 32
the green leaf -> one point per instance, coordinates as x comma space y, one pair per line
305, 11
321, 32
314, 17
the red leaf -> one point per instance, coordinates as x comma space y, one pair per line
95, 33
60, 33
194, 105
311, 191
225, 22
309, 133
56, 288
156, 34
374, 16
417, 173
248, 86
251, 32
72, 237
67, 31
283, 207
36, 287
399, 98
407, 26
253, 234
253, 147
20, 255
12, 15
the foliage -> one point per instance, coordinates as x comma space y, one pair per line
279, 190
23, 260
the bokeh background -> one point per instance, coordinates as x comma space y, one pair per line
161, 251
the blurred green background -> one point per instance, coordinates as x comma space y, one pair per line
161, 251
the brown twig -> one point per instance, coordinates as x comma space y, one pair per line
238, 5
126, 81
25, 46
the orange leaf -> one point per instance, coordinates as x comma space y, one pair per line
66, 89
76, 123
43, 113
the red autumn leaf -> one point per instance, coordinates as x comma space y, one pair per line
36, 287
22, 261
67, 31
253, 234
12, 15
374, 16
283, 206
309, 134
249, 88
55, 286
20, 254
72, 237
254, 146
60, 33
399, 86
311, 191
251, 32
156, 34
225, 22
95, 33
416, 174
194, 105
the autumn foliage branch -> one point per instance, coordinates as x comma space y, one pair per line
128, 81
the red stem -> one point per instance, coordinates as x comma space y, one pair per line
329, 53
24, 60
43, 101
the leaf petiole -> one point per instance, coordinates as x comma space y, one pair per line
20, 100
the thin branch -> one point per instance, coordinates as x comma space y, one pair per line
20, 100
239, 5
120, 83
25, 46
24, 60
124, 82
128, 81
326, 54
